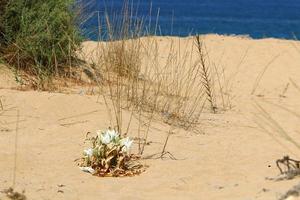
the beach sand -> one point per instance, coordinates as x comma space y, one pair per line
229, 159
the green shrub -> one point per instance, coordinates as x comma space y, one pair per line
3, 4
40, 36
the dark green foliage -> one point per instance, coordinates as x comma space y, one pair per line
40, 36
3, 4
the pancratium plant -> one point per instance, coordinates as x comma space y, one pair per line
109, 155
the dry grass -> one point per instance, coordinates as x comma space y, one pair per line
271, 126
1, 105
267, 122
174, 88
261, 74
295, 84
206, 74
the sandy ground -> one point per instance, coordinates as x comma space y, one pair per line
229, 160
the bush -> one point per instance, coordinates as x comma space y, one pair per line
40, 36
3, 4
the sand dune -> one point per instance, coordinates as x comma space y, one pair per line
229, 160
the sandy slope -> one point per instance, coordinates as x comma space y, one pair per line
229, 161
6, 78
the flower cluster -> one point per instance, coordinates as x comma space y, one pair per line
109, 155
112, 137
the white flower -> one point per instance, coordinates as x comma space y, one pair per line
87, 169
105, 138
88, 152
126, 143
112, 133
108, 136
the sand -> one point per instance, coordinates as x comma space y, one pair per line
229, 159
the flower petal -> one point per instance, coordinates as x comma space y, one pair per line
87, 169
88, 152
126, 143
112, 133
105, 138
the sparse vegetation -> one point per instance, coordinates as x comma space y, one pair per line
143, 80
174, 89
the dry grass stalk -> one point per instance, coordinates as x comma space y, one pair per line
1, 105
164, 151
261, 74
295, 84
206, 74
273, 124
